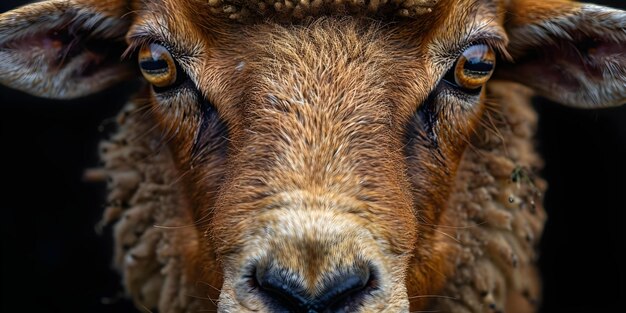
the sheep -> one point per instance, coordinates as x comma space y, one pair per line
354, 153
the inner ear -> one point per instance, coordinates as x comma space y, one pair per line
62, 49
573, 55
583, 64
61, 46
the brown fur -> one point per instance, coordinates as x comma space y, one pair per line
304, 144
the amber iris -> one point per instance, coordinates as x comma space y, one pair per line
475, 66
157, 65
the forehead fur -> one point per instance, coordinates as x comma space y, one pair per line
446, 19
202, 41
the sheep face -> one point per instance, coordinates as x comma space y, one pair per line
322, 153
316, 153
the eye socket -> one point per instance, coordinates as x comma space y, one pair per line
473, 68
157, 65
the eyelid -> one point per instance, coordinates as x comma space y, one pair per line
143, 33
496, 40
138, 42
493, 36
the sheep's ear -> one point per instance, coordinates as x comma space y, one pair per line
569, 52
64, 49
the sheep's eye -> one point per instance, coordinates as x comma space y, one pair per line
473, 68
157, 65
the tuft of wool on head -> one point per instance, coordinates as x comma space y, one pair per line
243, 10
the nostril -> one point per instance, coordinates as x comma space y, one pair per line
347, 290
281, 288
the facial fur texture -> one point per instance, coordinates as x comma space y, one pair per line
490, 229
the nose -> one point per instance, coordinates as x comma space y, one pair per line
343, 293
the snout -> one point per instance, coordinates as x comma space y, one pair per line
313, 261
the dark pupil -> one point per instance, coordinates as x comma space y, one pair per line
477, 65
154, 66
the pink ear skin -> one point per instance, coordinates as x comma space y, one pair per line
570, 53
62, 49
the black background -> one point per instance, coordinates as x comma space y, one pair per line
53, 261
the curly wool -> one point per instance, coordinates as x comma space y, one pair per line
243, 10
497, 212
152, 226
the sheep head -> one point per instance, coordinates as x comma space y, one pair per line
316, 145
